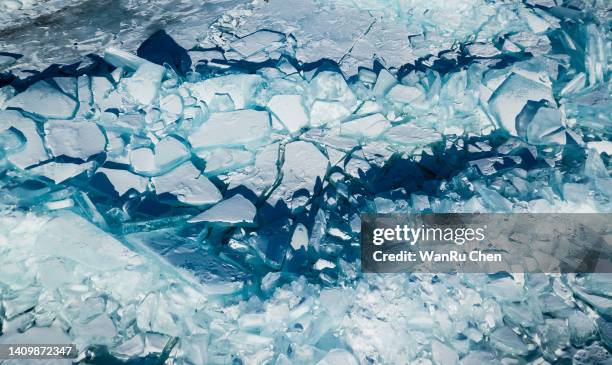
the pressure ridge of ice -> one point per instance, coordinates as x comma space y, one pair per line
200, 204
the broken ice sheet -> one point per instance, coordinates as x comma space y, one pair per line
228, 194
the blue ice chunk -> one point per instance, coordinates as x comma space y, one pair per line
142, 160
323, 112
172, 104
262, 176
290, 111
370, 126
169, 152
68, 85
235, 211
60, 172
384, 82
123, 180
331, 86
512, 95
71, 237
506, 340
218, 276
221, 103
45, 101
74, 139
187, 184
546, 127
119, 58
241, 88
299, 239
594, 166
33, 151
222, 160
304, 167
257, 42
144, 84
404, 94
338, 356
270, 242
443, 354
231, 128
581, 328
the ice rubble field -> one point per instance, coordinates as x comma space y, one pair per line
203, 208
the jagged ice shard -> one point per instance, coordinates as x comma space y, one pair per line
193, 195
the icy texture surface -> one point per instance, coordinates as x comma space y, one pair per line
195, 197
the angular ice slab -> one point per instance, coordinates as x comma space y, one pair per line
289, 110
231, 128
60, 172
33, 150
74, 139
240, 88
73, 237
188, 185
512, 96
122, 180
144, 84
304, 168
235, 211
45, 101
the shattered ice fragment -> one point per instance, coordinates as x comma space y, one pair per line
45, 101
144, 84
231, 128
171, 103
240, 88
412, 134
304, 166
323, 264
221, 103
71, 237
188, 185
338, 356
255, 42
384, 82
512, 95
546, 127
142, 160
371, 126
123, 180
169, 152
507, 341
594, 167
34, 151
331, 86
101, 330
300, 237
482, 50
223, 159
60, 172
289, 110
262, 176
67, 84
404, 94
74, 139
235, 211
478, 358
581, 328
537, 24
443, 355
324, 112
119, 58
